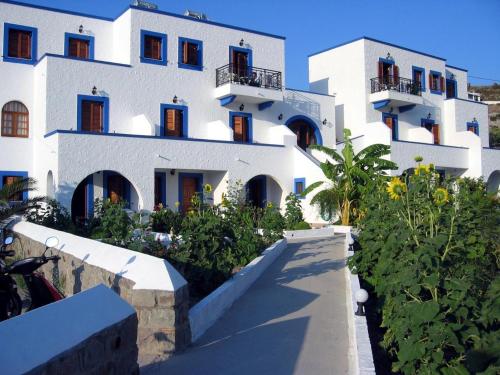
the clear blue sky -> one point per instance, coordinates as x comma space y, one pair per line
465, 32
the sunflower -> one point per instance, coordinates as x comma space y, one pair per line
422, 170
396, 188
207, 188
441, 196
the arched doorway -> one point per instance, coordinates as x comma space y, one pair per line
262, 189
106, 185
493, 183
306, 131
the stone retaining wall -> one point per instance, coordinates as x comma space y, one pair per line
163, 315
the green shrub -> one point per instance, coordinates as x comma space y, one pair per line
430, 254
52, 215
115, 225
165, 220
293, 212
301, 226
204, 256
272, 223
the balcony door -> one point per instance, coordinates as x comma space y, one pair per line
392, 123
305, 133
433, 128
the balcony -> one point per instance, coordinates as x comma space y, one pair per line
396, 91
249, 84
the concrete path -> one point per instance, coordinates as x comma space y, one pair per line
293, 320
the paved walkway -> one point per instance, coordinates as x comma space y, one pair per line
291, 321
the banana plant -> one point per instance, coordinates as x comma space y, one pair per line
348, 177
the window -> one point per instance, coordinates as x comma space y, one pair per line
473, 127
9, 178
418, 75
299, 186
79, 46
241, 123
190, 54
15, 120
19, 44
153, 48
174, 120
451, 88
436, 82
93, 114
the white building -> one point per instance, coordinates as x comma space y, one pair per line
151, 105
410, 100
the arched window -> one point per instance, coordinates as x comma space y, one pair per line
15, 120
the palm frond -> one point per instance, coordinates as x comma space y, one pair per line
8, 191
329, 152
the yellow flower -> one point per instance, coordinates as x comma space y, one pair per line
441, 196
396, 188
160, 206
269, 204
207, 188
422, 169
177, 204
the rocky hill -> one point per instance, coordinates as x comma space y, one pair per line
491, 93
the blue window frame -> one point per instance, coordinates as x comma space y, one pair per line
248, 116
199, 185
162, 38
99, 99
435, 85
299, 185
8, 27
21, 174
88, 38
451, 88
394, 128
247, 51
473, 127
415, 72
190, 54
183, 109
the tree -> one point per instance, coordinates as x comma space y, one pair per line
10, 191
349, 178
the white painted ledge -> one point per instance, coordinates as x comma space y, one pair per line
30, 340
147, 272
360, 350
310, 233
206, 312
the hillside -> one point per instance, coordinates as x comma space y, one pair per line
491, 93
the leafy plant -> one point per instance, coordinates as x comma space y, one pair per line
349, 177
115, 225
50, 214
430, 251
302, 225
272, 223
293, 212
165, 220
8, 192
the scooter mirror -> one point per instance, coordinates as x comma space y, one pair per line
8, 240
51, 242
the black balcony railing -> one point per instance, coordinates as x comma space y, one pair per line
250, 76
391, 83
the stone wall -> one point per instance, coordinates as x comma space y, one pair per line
163, 315
93, 332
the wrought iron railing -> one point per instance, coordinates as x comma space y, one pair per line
391, 83
250, 76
